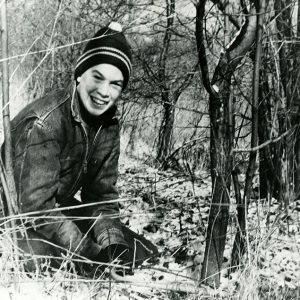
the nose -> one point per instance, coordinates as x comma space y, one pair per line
103, 89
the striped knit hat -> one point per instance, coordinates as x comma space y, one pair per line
108, 46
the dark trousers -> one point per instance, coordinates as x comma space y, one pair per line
38, 252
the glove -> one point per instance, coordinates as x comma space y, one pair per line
120, 253
113, 252
90, 250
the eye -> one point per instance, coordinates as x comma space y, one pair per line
97, 77
117, 84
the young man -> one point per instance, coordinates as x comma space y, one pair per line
69, 141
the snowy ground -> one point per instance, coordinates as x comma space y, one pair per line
172, 212
179, 214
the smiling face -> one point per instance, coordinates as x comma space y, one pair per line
99, 88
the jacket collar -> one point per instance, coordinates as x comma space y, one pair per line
75, 105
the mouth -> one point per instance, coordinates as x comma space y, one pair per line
99, 102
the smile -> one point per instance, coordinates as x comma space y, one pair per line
99, 101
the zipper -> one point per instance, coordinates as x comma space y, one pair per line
85, 162
87, 155
84, 165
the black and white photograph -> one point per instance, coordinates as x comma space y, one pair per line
149, 149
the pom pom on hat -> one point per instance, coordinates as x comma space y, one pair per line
115, 26
109, 46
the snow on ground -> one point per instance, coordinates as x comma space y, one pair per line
172, 211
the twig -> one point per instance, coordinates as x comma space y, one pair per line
273, 140
33, 213
67, 45
186, 287
7, 177
23, 58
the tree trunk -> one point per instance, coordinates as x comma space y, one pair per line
220, 141
6, 169
166, 133
283, 11
12, 200
240, 238
166, 128
269, 182
296, 109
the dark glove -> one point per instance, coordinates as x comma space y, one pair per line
113, 252
119, 254
90, 250
141, 249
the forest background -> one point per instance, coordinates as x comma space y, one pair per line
214, 94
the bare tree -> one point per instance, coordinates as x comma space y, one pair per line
169, 94
220, 142
6, 169
297, 103
165, 133
240, 238
281, 160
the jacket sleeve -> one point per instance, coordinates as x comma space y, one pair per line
37, 169
102, 187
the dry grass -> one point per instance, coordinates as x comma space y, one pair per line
271, 269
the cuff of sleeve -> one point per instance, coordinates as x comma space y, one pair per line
111, 236
90, 249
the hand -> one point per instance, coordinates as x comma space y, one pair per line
118, 252
113, 252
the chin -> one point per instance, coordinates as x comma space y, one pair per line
98, 112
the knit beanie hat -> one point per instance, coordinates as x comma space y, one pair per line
109, 46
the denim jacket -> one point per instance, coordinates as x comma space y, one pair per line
54, 158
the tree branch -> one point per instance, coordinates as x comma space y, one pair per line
273, 140
186, 82
166, 41
221, 6
200, 11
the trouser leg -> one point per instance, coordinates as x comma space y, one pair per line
140, 248
37, 252
33, 249
78, 215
